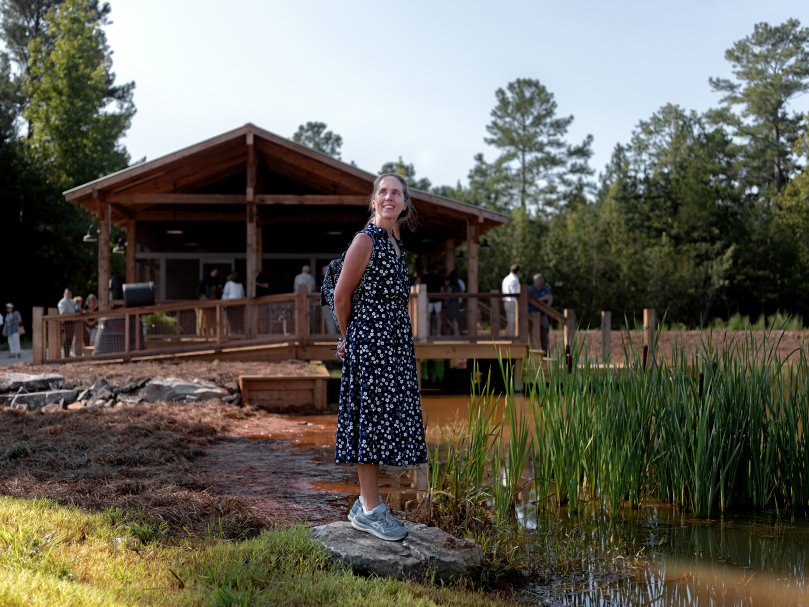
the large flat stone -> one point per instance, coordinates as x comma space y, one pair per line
33, 383
173, 389
424, 552
36, 400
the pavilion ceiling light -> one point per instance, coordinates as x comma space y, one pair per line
119, 248
174, 231
91, 236
461, 255
485, 244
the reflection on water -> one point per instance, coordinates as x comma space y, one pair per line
758, 559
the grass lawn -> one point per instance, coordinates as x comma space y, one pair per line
62, 555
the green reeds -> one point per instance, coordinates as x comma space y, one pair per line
719, 426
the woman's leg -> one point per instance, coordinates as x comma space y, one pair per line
368, 475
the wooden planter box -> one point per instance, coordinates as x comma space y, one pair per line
286, 393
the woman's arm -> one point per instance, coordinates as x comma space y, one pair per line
357, 258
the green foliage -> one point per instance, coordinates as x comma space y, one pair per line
161, 323
145, 531
78, 564
70, 87
408, 171
771, 67
536, 168
314, 135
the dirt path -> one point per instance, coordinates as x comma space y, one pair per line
282, 468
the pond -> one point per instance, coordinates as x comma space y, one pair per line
739, 559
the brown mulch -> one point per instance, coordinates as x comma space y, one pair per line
140, 459
85, 373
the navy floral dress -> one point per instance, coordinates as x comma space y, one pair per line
379, 420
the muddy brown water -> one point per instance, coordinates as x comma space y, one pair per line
285, 470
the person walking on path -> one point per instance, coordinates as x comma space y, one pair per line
11, 329
379, 422
539, 290
66, 305
511, 285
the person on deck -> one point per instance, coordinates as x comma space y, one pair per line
91, 325
234, 314
331, 328
208, 289
11, 329
435, 284
262, 289
66, 305
539, 290
304, 278
379, 421
511, 285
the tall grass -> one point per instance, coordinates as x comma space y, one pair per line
723, 426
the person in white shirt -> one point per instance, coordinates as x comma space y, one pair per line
511, 285
234, 314
66, 305
305, 278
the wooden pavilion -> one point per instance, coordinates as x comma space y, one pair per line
244, 200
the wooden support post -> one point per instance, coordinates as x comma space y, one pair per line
472, 273
494, 315
260, 247
103, 255
54, 336
536, 323
422, 311
518, 366
131, 275
570, 327
606, 335
78, 338
219, 322
38, 335
302, 315
252, 170
649, 326
449, 262
521, 323
472, 307
127, 336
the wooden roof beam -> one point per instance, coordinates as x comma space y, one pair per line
311, 199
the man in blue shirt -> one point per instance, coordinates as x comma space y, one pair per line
543, 294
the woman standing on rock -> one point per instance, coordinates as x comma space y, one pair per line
12, 330
379, 421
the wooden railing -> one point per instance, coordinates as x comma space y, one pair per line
481, 317
294, 318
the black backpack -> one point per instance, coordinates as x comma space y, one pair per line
330, 282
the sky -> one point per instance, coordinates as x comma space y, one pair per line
418, 79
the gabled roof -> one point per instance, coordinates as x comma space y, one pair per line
291, 169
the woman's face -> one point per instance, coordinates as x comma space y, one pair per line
389, 201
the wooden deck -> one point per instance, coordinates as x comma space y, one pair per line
278, 327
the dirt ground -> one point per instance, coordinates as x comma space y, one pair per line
117, 373
787, 341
